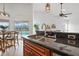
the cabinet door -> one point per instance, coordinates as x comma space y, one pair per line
35, 49
38, 49
33, 53
30, 53
26, 53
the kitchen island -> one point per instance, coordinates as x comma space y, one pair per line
34, 46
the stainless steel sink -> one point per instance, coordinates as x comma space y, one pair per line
42, 38
45, 39
35, 37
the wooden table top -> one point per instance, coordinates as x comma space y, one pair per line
8, 32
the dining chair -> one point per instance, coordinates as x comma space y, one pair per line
1, 40
0, 43
10, 38
16, 36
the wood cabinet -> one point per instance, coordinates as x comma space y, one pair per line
33, 49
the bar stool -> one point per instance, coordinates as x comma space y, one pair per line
1, 42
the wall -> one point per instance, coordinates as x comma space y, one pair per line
40, 17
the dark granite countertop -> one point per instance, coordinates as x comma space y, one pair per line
67, 50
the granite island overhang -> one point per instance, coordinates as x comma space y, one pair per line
59, 48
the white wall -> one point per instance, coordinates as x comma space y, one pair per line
74, 17
40, 17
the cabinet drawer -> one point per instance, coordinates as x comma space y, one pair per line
35, 45
30, 47
35, 54
37, 48
31, 53
26, 52
26, 48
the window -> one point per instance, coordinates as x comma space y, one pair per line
22, 27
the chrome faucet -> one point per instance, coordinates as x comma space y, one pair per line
45, 28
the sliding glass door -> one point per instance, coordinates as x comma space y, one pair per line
22, 27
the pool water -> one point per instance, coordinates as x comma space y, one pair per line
24, 33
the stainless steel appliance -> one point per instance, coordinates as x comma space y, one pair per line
72, 39
72, 42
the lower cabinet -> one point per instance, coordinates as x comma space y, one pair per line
33, 49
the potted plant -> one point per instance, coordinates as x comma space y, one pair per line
3, 27
36, 27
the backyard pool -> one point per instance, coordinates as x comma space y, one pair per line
24, 33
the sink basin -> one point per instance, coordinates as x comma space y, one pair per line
41, 38
35, 37
45, 39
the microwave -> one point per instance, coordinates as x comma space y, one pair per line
72, 36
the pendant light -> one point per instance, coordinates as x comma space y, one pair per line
47, 7
4, 13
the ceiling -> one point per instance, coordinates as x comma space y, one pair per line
69, 8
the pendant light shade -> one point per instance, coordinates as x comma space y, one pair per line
4, 13
47, 7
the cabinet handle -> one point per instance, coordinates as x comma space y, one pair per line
31, 53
